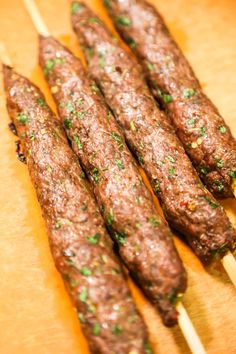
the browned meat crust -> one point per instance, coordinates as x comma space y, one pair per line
143, 237
81, 247
204, 134
188, 206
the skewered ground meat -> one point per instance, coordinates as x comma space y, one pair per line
204, 134
143, 237
81, 247
188, 206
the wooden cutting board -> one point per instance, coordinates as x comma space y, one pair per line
36, 315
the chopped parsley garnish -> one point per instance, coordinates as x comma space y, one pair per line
96, 329
95, 175
50, 63
122, 20
232, 174
106, 3
68, 123
41, 101
83, 295
70, 107
116, 329
117, 138
173, 298
82, 175
78, 142
80, 101
132, 126
94, 20
153, 220
219, 185
102, 61
189, 92
203, 170
120, 237
110, 218
22, 118
119, 164
95, 88
220, 163
75, 6
81, 115
212, 204
191, 121
157, 187
171, 159
131, 42
222, 129
94, 239
147, 348
167, 98
58, 224
150, 66
85, 271
81, 317
141, 160
172, 171
203, 131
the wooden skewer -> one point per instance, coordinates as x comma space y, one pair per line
185, 323
229, 263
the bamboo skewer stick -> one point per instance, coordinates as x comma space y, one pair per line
229, 264
184, 321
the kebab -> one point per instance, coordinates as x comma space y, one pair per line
204, 134
80, 245
142, 237
187, 204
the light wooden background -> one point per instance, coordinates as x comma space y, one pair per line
35, 312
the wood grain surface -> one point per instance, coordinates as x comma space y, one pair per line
36, 315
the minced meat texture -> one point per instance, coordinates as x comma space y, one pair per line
142, 236
204, 134
81, 247
188, 206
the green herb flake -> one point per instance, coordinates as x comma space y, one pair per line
110, 218
153, 220
219, 185
78, 142
41, 102
48, 66
203, 170
96, 329
94, 20
116, 329
94, 239
95, 173
95, 88
222, 129
106, 3
32, 136
147, 348
123, 21
167, 98
120, 237
75, 7
203, 131
68, 123
22, 118
172, 171
191, 121
220, 163
141, 160
80, 101
81, 317
70, 107
189, 92
150, 67
85, 271
212, 204
132, 126
102, 61
157, 187
81, 115
170, 158
119, 164
131, 43
83, 295
232, 174
117, 138
58, 224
